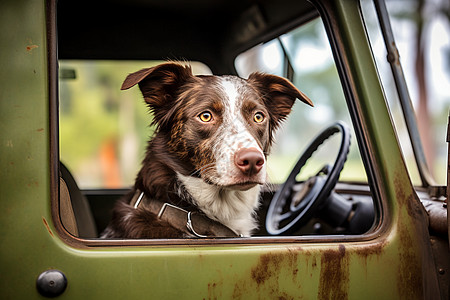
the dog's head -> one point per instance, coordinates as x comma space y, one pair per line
221, 127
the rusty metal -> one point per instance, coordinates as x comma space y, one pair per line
441, 258
437, 216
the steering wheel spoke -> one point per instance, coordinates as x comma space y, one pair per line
284, 216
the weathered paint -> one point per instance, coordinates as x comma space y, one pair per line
392, 263
334, 274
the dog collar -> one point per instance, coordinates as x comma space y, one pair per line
182, 219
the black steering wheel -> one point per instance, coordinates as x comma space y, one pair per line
282, 218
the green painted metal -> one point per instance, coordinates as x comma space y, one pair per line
24, 146
392, 263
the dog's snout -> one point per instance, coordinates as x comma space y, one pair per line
249, 160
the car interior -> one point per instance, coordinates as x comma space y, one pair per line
101, 42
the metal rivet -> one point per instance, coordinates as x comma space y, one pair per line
51, 283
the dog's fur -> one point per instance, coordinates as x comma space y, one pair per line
214, 165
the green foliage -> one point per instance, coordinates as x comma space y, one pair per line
95, 113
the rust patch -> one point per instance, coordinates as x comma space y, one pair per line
238, 290
40, 130
268, 276
413, 238
314, 263
407, 200
409, 275
270, 265
47, 226
31, 48
212, 291
334, 274
215, 288
372, 250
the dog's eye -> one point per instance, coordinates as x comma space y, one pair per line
205, 116
258, 117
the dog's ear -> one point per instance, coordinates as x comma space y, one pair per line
279, 94
159, 86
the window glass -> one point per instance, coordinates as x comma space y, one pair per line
308, 51
435, 43
103, 130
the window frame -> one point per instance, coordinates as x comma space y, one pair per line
334, 35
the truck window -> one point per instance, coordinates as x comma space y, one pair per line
104, 131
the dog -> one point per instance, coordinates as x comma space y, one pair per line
205, 165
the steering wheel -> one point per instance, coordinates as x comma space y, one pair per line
281, 219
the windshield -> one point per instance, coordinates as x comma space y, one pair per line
423, 40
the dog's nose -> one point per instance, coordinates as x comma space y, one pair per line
249, 160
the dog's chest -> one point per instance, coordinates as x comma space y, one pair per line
233, 208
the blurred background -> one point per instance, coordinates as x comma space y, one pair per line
104, 131
422, 33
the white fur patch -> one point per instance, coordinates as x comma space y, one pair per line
233, 208
233, 135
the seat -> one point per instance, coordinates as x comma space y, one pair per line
75, 212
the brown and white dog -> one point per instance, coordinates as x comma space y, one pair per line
207, 159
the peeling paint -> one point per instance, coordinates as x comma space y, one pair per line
270, 265
277, 275
334, 274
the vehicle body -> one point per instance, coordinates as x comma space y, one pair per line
398, 258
